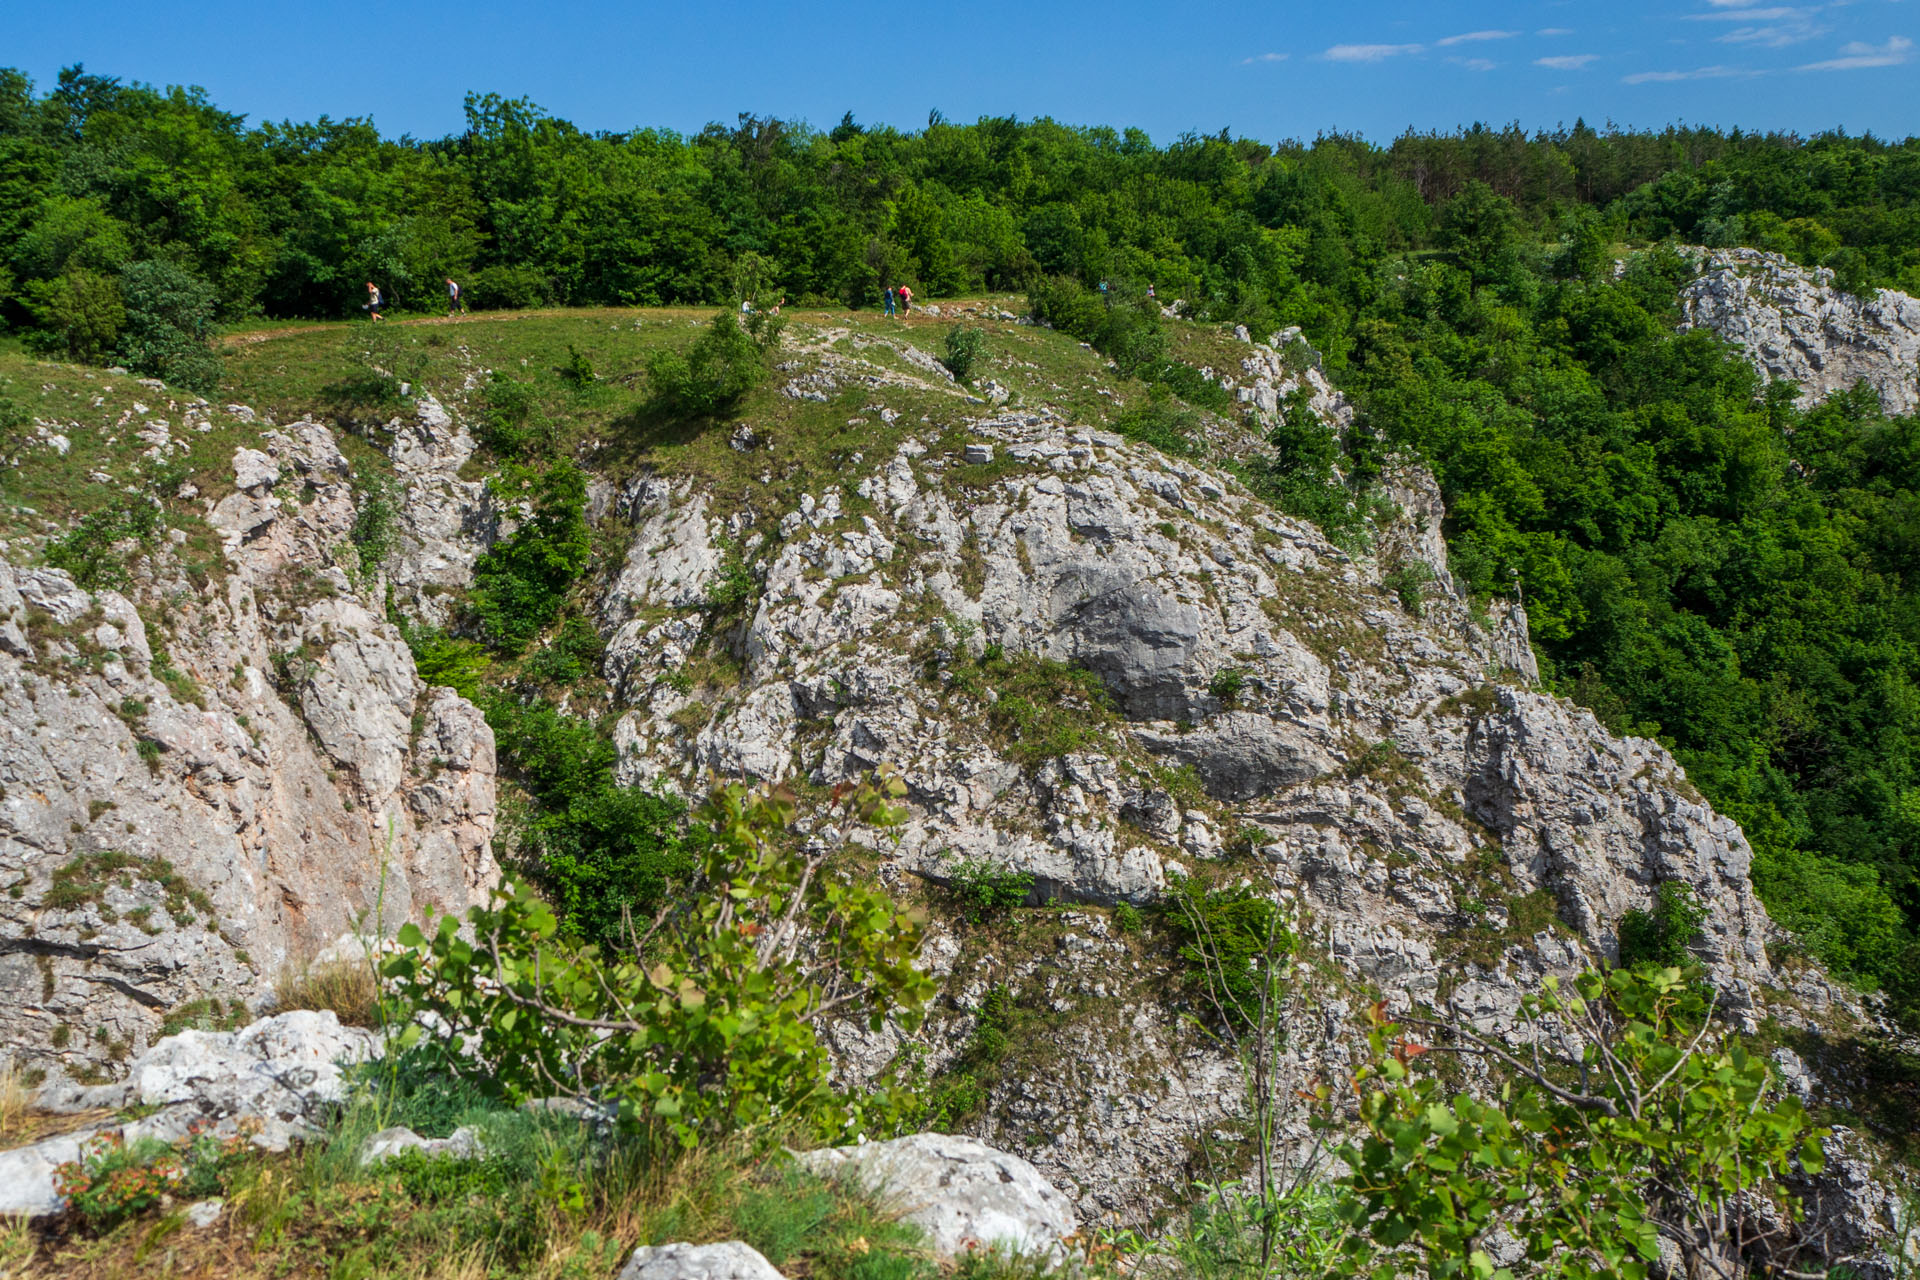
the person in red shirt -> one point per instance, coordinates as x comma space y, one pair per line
906, 299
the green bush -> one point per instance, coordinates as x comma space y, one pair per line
80, 313
981, 892
1045, 709
577, 372
1228, 938
573, 654
509, 286
168, 331
375, 510
734, 586
89, 551
724, 363
965, 343
513, 425
1664, 934
711, 1026
1408, 581
1562, 1160
521, 583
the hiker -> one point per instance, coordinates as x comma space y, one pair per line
906, 299
889, 299
373, 300
454, 302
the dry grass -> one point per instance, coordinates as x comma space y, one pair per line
348, 987
16, 1100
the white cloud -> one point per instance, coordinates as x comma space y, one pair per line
1554, 31
1265, 57
1565, 61
1778, 13
1465, 36
1698, 73
1368, 52
1474, 64
1777, 36
1856, 54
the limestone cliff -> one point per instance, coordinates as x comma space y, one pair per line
204, 780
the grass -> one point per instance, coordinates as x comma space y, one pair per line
552, 1199
347, 987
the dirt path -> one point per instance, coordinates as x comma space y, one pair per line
952, 307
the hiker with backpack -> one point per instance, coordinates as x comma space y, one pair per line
906, 299
454, 301
373, 300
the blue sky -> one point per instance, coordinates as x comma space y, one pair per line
1265, 70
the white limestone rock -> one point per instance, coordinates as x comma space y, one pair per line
961, 1192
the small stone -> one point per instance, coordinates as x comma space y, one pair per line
202, 1214
979, 453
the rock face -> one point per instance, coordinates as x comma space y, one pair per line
961, 1192
1281, 716
731, 1260
1794, 324
215, 772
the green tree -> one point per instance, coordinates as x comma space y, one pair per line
704, 1021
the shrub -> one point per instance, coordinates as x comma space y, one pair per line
1408, 580
709, 1023
734, 586
724, 363
1228, 684
509, 287
1563, 1160
90, 551
1045, 708
572, 655
1664, 934
114, 1180
577, 372
965, 344
168, 330
513, 425
980, 891
520, 584
1229, 939
375, 510
80, 312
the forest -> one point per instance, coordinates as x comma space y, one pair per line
1704, 560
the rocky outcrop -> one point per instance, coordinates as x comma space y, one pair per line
1794, 325
962, 1193
276, 1081
441, 522
1281, 715
215, 772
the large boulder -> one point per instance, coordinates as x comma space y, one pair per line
961, 1192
